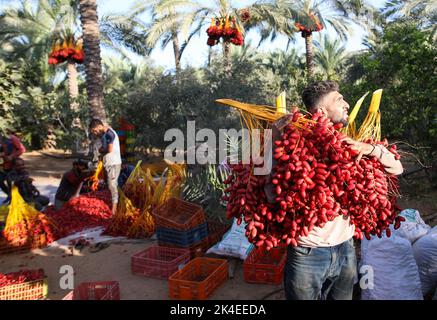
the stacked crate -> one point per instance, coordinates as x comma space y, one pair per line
130, 143
126, 136
159, 262
181, 224
121, 132
216, 230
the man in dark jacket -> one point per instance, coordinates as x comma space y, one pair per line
71, 183
11, 149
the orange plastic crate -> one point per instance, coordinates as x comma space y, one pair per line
159, 262
31, 290
196, 250
262, 266
103, 290
179, 215
7, 247
198, 279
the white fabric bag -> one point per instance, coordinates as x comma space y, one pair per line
394, 273
425, 253
234, 243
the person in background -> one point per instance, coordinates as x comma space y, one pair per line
126, 170
110, 153
20, 177
11, 148
71, 183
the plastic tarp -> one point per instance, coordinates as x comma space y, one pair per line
92, 235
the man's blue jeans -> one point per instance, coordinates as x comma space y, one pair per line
324, 273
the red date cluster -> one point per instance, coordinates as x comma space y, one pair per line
316, 178
86, 211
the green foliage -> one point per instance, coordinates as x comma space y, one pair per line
330, 57
401, 64
156, 102
34, 97
35, 111
204, 185
11, 94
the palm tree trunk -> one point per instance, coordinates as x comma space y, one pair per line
73, 88
177, 52
209, 56
93, 66
73, 93
309, 55
227, 58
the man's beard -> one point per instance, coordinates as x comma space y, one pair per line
343, 121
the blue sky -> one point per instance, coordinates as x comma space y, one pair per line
196, 52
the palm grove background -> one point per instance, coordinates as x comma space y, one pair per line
37, 99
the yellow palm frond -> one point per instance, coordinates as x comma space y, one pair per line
371, 126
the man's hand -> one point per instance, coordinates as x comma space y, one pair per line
361, 147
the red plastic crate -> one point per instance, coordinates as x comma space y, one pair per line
7, 247
262, 266
196, 250
103, 290
198, 279
159, 262
216, 230
179, 215
31, 290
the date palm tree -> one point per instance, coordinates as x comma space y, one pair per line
174, 21
28, 31
330, 57
93, 65
422, 11
313, 15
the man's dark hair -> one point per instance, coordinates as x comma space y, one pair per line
81, 162
95, 122
315, 91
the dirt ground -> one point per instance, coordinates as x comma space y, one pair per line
114, 262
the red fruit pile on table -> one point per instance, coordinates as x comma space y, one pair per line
315, 179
